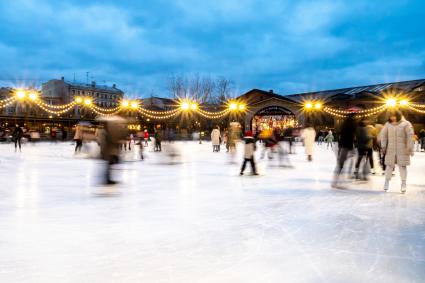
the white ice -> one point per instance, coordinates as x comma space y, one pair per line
199, 221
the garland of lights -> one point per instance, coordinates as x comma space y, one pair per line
190, 106
213, 115
156, 117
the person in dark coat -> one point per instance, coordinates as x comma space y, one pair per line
158, 138
17, 136
422, 139
345, 146
111, 133
364, 143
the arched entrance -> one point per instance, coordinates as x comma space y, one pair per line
272, 117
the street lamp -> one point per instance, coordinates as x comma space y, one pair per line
233, 106
20, 94
134, 105
404, 102
391, 102
185, 105
87, 101
308, 105
33, 95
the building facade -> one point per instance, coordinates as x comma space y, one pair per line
61, 92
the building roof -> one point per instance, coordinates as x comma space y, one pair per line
268, 94
378, 89
97, 86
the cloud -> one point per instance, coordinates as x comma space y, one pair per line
288, 46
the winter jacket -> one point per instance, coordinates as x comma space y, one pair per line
17, 133
78, 133
363, 139
329, 137
158, 135
215, 137
347, 133
249, 147
397, 142
308, 135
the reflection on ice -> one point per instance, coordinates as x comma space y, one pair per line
199, 221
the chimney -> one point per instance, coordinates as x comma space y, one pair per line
93, 84
62, 78
271, 91
114, 86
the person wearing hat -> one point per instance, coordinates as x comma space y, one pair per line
249, 150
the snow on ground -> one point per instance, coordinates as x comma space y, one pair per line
197, 220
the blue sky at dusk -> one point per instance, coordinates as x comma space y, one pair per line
288, 46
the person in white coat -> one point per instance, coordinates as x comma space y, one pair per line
249, 150
215, 139
309, 135
78, 137
397, 143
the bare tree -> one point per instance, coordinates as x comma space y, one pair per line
202, 89
195, 87
178, 86
224, 89
207, 89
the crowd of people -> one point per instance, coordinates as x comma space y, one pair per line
355, 143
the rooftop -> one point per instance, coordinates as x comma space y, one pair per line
406, 86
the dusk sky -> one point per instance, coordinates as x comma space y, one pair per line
287, 46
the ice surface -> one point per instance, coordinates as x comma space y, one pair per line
198, 221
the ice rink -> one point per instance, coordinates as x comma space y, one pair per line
192, 218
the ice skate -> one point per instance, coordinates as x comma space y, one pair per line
386, 186
403, 187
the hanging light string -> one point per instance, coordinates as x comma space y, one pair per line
55, 112
94, 108
417, 105
165, 112
363, 111
331, 112
7, 102
213, 115
106, 110
159, 117
413, 108
33, 97
50, 106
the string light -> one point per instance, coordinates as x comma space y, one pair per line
186, 105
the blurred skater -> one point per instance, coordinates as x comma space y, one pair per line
215, 139
422, 139
17, 137
113, 132
329, 139
249, 150
397, 143
78, 137
146, 137
158, 138
345, 147
364, 142
308, 135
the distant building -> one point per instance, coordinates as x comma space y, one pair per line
62, 92
269, 109
158, 103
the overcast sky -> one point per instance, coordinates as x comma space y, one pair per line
288, 46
